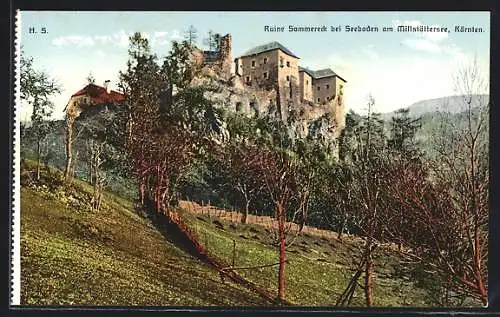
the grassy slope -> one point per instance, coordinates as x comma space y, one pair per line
115, 257
318, 269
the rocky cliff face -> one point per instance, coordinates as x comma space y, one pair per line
304, 119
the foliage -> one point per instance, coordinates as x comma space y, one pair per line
384, 188
190, 35
37, 87
403, 133
451, 204
168, 119
66, 253
212, 41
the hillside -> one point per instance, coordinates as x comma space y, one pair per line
115, 257
118, 257
449, 104
438, 115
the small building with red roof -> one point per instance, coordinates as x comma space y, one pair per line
90, 96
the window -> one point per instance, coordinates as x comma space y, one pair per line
287, 78
248, 79
287, 64
281, 61
327, 86
319, 88
253, 63
265, 75
318, 99
265, 60
307, 82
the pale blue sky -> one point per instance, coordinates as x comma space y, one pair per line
398, 69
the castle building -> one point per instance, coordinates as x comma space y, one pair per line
268, 64
273, 63
320, 86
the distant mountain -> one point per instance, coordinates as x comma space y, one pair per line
450, 104
438, 113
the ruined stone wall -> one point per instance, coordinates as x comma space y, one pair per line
225, 54
305, 83
288, 67
288, 79
217, 62
340, 103
289, 95
197, 56
236, 97
253, 90
238, 67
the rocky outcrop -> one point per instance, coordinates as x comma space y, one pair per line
304, 119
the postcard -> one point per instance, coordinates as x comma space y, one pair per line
251, 159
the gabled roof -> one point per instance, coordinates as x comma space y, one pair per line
322, 73
99, 95
269, 47
326, 72
307, 70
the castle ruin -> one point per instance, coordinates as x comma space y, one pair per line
272, 75
219, 61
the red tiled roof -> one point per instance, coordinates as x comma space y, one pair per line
99, 94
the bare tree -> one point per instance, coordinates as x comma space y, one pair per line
366, 189
462, 168
277, 173
97, 178
448, 205
191, 34
213, 41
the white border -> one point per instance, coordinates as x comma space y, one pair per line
15, 296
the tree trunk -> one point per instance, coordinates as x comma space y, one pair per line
477, 261
69, 141
282, 254
96, 187
38, 161
245, 213
342, 227
91, 174
158, 189
368, 277
142, 190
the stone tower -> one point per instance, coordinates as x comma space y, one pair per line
225, 54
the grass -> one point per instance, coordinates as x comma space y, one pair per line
70, 255
114, 257
317, 271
